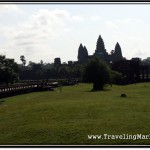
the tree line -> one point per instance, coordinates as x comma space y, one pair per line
95, 70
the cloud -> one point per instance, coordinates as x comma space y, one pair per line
124, 21
95, 18
128, 20
9, 8
77, 18
116, 24
7, 32
111, 25
135, 38
38, 34
140, 53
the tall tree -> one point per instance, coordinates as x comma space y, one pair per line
8, 70
41, 62
97, 72
22, 58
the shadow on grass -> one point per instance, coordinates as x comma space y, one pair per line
104, 90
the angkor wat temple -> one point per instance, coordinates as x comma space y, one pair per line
101, 52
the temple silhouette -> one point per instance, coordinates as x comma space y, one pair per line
100, 52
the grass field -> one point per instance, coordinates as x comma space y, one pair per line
68, 117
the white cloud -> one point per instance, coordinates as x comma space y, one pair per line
8, 32
9, 8
111, 25
38, 34
128, 20
135, 38
95, 18
116, 24
124, 21
77, 18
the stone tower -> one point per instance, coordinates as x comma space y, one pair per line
117, 52
100, 49
82, 54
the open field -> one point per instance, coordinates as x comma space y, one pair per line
68, 117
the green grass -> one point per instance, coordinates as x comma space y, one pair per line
68, 117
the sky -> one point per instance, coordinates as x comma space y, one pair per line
46, 31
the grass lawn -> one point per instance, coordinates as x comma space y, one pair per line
68, 117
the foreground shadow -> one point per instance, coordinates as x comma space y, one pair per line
104, 90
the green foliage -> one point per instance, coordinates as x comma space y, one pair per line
115, 77
8, 70
97, 72
78, 70
64, 72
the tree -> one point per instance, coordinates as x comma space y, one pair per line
36, 67
146, 61
64, 72
8, 70
22, 58
115, 77
41, 62
39, 74
30, 65
97, 72
78, 70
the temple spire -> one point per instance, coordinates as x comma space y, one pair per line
82, 54
118, 52
100, 47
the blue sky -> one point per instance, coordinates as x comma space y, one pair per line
45, 31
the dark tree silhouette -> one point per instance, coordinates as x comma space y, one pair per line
41, 62
78, 70
22, 58
64, 72
8, 70
146, 61
97, 72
